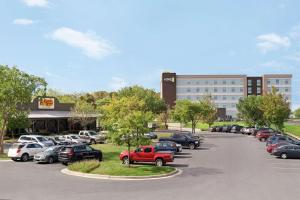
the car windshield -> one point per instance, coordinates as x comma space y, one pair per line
74, 137
92, 133
41, 139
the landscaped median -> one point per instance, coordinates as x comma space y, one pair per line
3, 157
112, 168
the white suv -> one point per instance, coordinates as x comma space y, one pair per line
24, 151
92, 137
72, 138
41, 140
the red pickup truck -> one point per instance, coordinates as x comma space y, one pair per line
147, 154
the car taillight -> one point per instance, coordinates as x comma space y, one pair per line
70, 153
18, 150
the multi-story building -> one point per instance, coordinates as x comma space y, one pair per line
225, 90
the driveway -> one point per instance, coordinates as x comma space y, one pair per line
226, 167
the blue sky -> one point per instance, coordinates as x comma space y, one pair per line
107, 44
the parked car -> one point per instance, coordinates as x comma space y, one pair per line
151, 135
75, 139
24, 151
92, 137
226, 128
78, 152
219, 128
184, 140
212, 129
263, 135
287, 151
168, 146
50, 155
147, 154
192, 135
279, 140
236, 129
58, 141
41, 140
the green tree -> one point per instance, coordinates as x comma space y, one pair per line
126, 119
250, 110
297, 113
16, 90
17, 121
83, 113
208, 111
276, 109
153, 102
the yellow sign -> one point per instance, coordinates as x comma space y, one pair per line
46, 103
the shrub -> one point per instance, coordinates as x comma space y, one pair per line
84, 166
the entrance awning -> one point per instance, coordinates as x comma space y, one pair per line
45, 114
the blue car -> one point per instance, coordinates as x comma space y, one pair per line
166, 146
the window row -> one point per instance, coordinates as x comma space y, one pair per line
211, 90
211, 82
278, 82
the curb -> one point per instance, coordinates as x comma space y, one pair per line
6, 160
122, 178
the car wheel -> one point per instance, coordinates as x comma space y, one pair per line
125, 160
50, 160
159, 162
262, 139
192, 146
25, 157
283, 156
93, 142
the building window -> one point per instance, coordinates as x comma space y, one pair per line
206, 82
286, 89
249, 82
216, 82
224, 98
206, 89
215, 97
269, 82
249, 90
258, 82
198, 89
232, 89
188, 90
277, 81
258, 90
233, 82
224, 89
232, 98
188, 97
215, 90
197, 82
224, 82
286, 81
241, 89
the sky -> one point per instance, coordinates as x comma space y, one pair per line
86, 46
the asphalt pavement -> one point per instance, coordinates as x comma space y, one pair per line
226, 167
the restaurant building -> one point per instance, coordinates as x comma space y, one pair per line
48, 115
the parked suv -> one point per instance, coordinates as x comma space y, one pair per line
184, 140
168, 146
74, 139
78, 152
41, 140
50, 155
92, 137
24, 151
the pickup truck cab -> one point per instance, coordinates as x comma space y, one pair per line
183, 139
147, 154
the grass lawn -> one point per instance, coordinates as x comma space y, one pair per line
3, 157
205, 127
294, 129
111, 164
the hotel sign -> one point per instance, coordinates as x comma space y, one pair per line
169, 79
46, 103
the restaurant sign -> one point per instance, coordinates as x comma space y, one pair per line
46, 103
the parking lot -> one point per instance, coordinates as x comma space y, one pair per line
227, 166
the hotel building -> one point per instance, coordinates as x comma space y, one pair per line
225, 90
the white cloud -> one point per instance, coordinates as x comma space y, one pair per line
37, 3
117, 83
295, 56
276, 66
23, 22
272, 41
90, 44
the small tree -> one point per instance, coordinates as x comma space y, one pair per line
276, 109
127, 120
297, 113
16, 90
165, 116
208, 111
83, 112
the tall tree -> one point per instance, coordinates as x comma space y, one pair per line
126, 119
297, 113
276, 109
208, 111
250, 110
16, 90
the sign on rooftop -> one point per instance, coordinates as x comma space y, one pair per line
46, 103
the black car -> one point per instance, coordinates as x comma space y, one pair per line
236, 129
166, 146
226, 129
78, 152
219, 128
50, 155
212, 129
183, 139
287, 151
